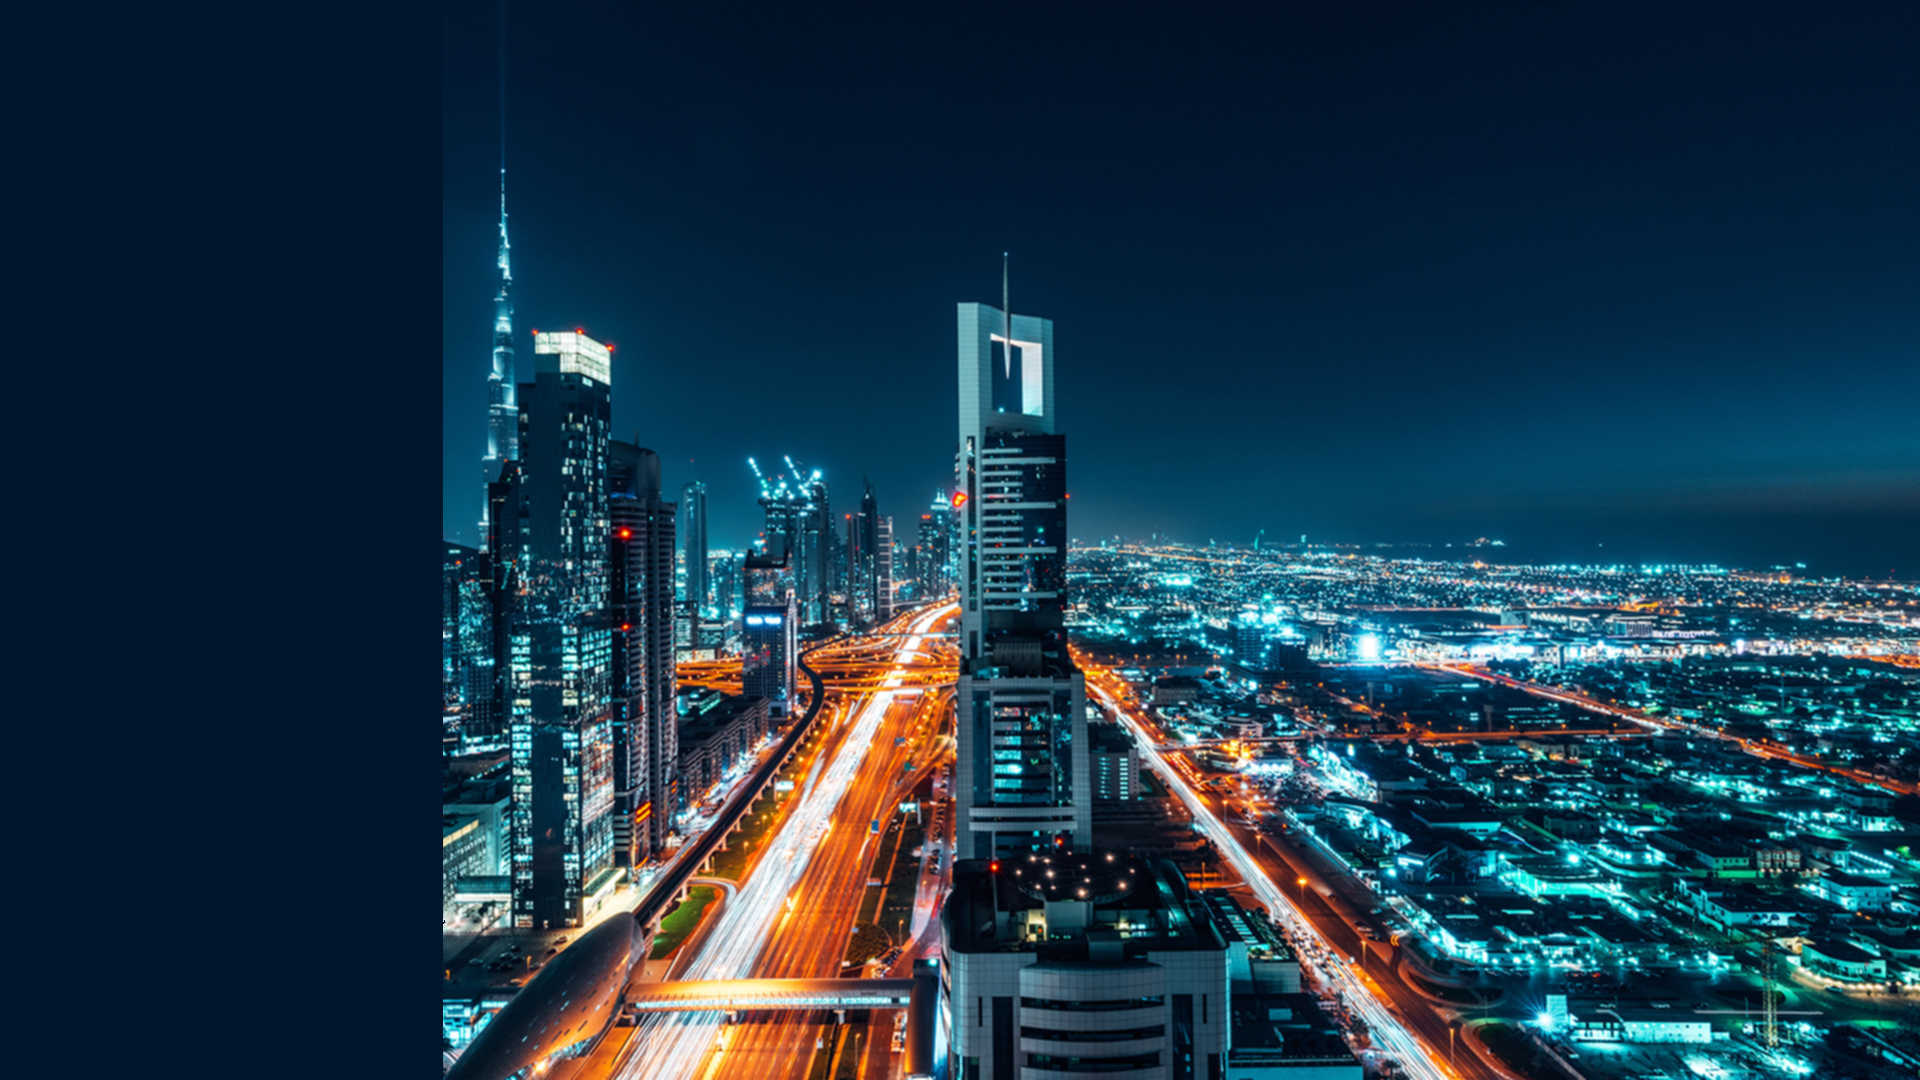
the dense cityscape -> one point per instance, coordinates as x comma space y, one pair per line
930, 783
1288, 811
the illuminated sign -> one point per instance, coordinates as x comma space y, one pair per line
959, 499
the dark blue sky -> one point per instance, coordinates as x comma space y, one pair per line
1565, 275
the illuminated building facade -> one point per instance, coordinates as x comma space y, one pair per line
560, 648
503, 411
813, 577
1022, 776
693, 544
641, 610
932, 566
768, 632
869, 564
469, 701
882, 568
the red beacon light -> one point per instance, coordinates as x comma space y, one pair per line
959, 499
626, 534
994, 866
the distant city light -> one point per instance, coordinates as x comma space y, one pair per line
1369, 646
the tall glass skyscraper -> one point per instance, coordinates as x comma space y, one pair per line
767, 631
813, 572
693, 541
646, 749
503, 411
560, 647
1022, 778
865, 603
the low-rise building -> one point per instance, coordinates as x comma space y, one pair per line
716, 731
1115, 762
1638, 1023
1853, 892
1842, 960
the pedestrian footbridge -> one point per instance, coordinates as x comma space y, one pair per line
740, 995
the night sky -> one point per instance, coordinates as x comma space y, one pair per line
1647, 278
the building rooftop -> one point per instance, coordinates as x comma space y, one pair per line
1085, 904
1109, 738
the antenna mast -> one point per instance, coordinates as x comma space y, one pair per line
1006, 314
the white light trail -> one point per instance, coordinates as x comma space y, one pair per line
1385, 1030
672, 1045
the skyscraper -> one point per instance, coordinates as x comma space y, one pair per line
1022, 777
452, 667
468, 649
814, 574
693, 540
863, 562
931, 565
767, 631
503, 412
641, 604
882, 568
560, 646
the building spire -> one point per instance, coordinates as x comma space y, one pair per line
503, 410
1006, 314
506, 271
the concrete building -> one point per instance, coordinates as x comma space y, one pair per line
464, 853
1022, 775
1083, 961
769, 625
1639, 1023
716, 731
1115, 762
1840, 960
640, 607
1854, 892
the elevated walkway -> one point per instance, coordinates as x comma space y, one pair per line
739, 995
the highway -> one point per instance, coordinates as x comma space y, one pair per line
1389, 1021
792, 916
1756, 747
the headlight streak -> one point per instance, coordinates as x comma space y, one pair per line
673, 1045
1384, 1029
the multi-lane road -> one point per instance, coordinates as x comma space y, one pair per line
1757, 747
794, 913
1400, 1024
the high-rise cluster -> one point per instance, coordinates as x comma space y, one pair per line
579, 570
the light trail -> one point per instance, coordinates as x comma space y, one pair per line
672, 1046
1383, 1027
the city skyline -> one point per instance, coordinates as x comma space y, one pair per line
1632, 424
1411, 583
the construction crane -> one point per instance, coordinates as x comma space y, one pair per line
760, 476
